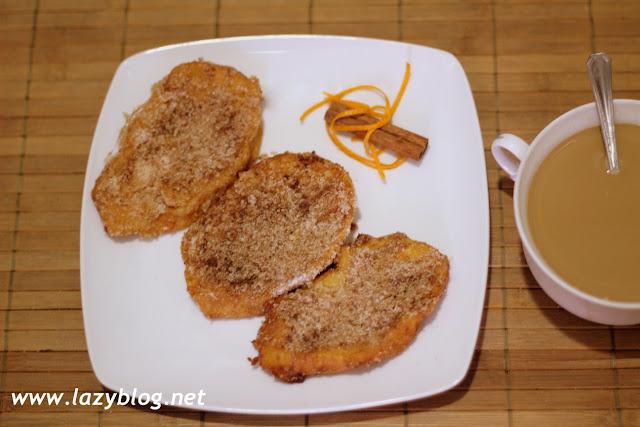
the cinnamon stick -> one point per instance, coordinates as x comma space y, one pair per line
401, 141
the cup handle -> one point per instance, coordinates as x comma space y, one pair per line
509, 151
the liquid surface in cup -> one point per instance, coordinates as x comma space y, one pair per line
586, 223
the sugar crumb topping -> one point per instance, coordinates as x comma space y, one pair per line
278, 226
364, 297
199, 119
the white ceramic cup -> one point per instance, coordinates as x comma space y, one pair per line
520, 161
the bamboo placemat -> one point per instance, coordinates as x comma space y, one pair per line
536, 364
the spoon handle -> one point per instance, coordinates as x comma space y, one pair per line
599, 68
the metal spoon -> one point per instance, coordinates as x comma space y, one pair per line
599, 68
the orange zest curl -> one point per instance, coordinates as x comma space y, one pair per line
384, 114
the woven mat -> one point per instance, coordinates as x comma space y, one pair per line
536, 364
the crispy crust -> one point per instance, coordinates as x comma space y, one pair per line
301, 337
179, 149
276, 228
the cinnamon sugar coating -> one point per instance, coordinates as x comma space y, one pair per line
179, 149
277, 227
366, 309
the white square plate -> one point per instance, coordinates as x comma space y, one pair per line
144, 331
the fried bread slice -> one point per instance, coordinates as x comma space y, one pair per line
179, 149
277, 227
367, 309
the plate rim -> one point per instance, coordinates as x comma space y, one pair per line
485, 232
